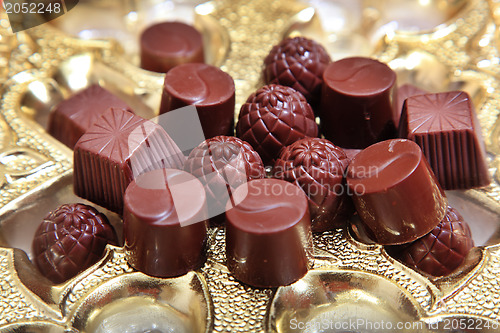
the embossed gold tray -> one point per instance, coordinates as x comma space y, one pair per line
352, 286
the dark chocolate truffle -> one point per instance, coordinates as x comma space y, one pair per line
356, 102
395, 192
298, 63
71, 239
71, 118
444, 125
164, 220
268, 233
317, 166
206, 87
119, 146
403, 92
168, 44
442, 250
274, 117
222, 164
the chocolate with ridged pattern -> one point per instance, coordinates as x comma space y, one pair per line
119, 146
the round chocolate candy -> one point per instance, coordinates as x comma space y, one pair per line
206, 87
168, 44
356, 102
222, 164
442, 250
268, 233
164, 222
69, 240
274, 117
317, 166
395, 192
298, 63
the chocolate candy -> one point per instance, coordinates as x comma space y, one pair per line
317, 166
168, 44
222, 164
206, 87
403, 92
268, 233
165, 226
71, 239
395, 192
274, 117
444, 125
71, 118
356, 102
119, 146
442, 250
298, 63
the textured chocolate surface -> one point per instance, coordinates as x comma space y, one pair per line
71, 118
222, 164
356, 102
165, 226
317, 166
117, 147
274, 117
69, 240
444, 125
206, 87
403, 92
168, 44
298, 63
442, 250
268, 233
395, 192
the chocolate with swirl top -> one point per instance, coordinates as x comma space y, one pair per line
268, 233
395, 192
206, 87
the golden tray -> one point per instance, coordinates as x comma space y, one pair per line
351, 286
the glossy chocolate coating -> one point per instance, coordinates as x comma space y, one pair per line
117, 147
274, 117
222, 164
168, 44
71, 239
442, 250
298, 63
356, 102
403, 92
206, 87
317, 166
395, 192
268, 233
71, 118
445, 126
165, 226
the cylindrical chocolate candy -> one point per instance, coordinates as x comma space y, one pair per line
268, 233
395, 192
165, 225
356, 102
206, 87
168, 44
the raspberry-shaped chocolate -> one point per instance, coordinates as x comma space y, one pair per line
274, 117
298, 63
71, 239
442, 250
317, 166
222, 163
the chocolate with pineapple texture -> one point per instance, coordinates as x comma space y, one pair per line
356, 102
165, 45
445, 126
396, 194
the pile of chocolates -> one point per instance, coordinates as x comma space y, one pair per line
380, 170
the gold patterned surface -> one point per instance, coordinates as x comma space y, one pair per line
33, 75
